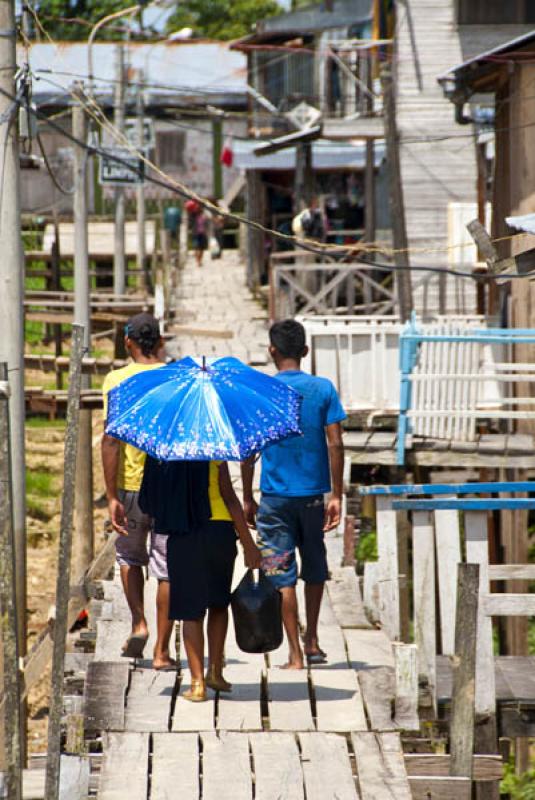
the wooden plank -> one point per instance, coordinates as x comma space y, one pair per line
111, 636
73, 778
330, 634
193, 716
509, 605
277, 767
104, 695
423, 556
484, 768
511, 572
339, 707
326, 767
346, 599
240, 710
406, 686
378, 691
477, 552
289, 701
448, 544
380, 766
226, 767
175, 766
125, 763
424, 788
149, 700
387, 548
464, 671
368, 649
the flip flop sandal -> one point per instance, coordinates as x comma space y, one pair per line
135, 645
172, 667
316, 658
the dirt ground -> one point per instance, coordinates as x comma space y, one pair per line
44, 455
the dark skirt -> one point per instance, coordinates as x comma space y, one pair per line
200, 566
200, 241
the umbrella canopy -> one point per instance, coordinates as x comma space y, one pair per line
218, 410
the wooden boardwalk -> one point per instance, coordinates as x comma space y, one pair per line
327, 733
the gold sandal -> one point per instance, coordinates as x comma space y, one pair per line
217, 682
196, 693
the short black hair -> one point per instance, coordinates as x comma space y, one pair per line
289, 338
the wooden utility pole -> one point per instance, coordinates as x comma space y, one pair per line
83, 539
11, 758
11, 298
64, 564
119, 264
397, 207
140, 189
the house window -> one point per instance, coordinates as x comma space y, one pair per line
170, 147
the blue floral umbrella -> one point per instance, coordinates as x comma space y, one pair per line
218, 409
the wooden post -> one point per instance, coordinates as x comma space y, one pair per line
55, 266
405, 660
349, 542
304, 176
397, 207
9, 651
64, 562
464, 672
83, 539
423, 582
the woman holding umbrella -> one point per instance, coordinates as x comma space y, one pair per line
194, 504
191, 418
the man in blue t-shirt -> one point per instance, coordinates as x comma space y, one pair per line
296, 475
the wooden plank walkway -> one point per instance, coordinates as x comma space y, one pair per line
294, 734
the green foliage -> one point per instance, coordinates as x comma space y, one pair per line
366, 549
72, 21
518, 787
44, 422
39, 482
221, 19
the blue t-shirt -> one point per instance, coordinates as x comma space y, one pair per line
299, 467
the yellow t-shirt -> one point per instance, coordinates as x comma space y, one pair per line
220, 512
131, 460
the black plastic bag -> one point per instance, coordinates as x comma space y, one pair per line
256, 609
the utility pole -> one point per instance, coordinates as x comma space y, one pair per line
82, 549
397, 207
11, 757
119, 270
11, 299
140, 189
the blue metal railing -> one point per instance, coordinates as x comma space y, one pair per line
409, 344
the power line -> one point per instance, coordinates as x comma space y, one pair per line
304, 245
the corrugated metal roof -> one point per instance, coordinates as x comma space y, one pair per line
483, 58
325, 155
171, 69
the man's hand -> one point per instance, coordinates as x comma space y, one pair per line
118, 516
250, 508
252, 556
332, 514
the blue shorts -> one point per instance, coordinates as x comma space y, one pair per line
287, 523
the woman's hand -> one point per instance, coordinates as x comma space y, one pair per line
252, 556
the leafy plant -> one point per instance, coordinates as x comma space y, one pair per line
366, 549
518, 787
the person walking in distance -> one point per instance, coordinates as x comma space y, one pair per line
296, 475
123, 472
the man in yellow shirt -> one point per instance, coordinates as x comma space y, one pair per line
123, 472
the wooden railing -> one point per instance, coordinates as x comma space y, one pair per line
328, 287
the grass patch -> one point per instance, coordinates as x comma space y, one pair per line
37, 511
39, 483
44, 422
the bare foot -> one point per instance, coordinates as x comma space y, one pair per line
292, 665
163, 660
